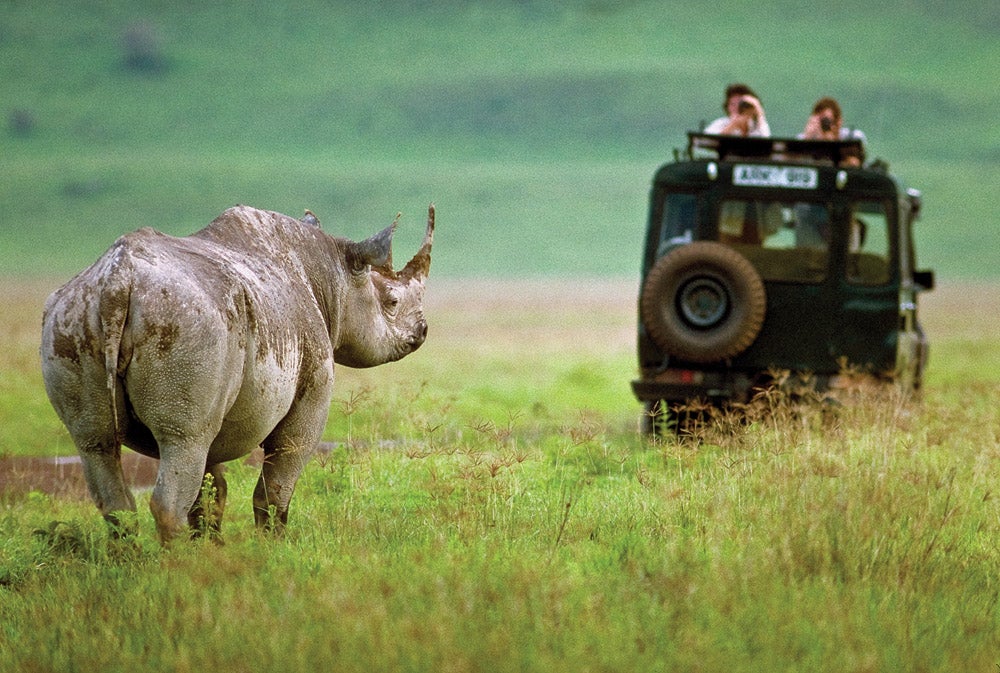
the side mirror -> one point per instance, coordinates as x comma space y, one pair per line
916, 202
924, 279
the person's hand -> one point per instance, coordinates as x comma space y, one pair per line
740, 125
814, 129
745, 123
758, 109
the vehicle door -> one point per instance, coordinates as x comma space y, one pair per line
868, 321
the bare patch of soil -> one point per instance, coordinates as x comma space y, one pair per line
63, 476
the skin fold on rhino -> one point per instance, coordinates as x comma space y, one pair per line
195, 350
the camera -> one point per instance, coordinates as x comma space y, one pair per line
826, 124
746, 108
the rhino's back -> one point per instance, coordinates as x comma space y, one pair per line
263, 235
242, 269
237, 279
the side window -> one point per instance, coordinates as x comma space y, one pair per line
680, 219
868, 245
785, 241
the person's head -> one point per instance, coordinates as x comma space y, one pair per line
735, 94
829, 109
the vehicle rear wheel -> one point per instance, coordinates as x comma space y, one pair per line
703, 302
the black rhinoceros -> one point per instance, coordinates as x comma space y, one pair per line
196, 350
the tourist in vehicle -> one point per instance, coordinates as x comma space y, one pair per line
827, 123
744, 114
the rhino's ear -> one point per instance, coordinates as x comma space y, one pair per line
375, 251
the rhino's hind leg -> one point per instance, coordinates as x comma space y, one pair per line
178, 484
102, 470
205, 518
88, 418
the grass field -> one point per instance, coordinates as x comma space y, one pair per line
491, 506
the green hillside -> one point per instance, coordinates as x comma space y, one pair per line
534, 126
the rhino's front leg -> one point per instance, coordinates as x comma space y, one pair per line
290, 446
273, 493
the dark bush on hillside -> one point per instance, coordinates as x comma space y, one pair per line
143, 49
21, 122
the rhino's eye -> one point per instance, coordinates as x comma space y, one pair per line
391, 303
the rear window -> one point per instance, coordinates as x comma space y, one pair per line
785, 240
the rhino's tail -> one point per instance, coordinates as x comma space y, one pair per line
116, 292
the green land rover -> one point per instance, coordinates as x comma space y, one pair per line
768, 255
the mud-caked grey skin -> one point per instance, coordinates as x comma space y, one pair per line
197, 350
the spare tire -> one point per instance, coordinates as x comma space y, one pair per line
703, 302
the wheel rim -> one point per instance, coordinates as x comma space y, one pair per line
703, 302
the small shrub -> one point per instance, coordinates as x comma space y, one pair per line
21, 122
143, 49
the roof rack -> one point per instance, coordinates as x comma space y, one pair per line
727, 148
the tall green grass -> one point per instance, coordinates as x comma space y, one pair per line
865, 542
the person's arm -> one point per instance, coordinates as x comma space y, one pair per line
715, 128
729, 126
763, 128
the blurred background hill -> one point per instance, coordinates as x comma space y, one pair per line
534, 126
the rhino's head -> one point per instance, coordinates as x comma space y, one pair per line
383, 315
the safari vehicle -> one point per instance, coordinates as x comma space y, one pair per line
767, 255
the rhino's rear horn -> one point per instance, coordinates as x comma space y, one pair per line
375, 251
420, 265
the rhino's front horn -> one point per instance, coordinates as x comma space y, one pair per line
420, 265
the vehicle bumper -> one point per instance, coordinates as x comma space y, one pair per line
679, 385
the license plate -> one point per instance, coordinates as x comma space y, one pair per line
793, 177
